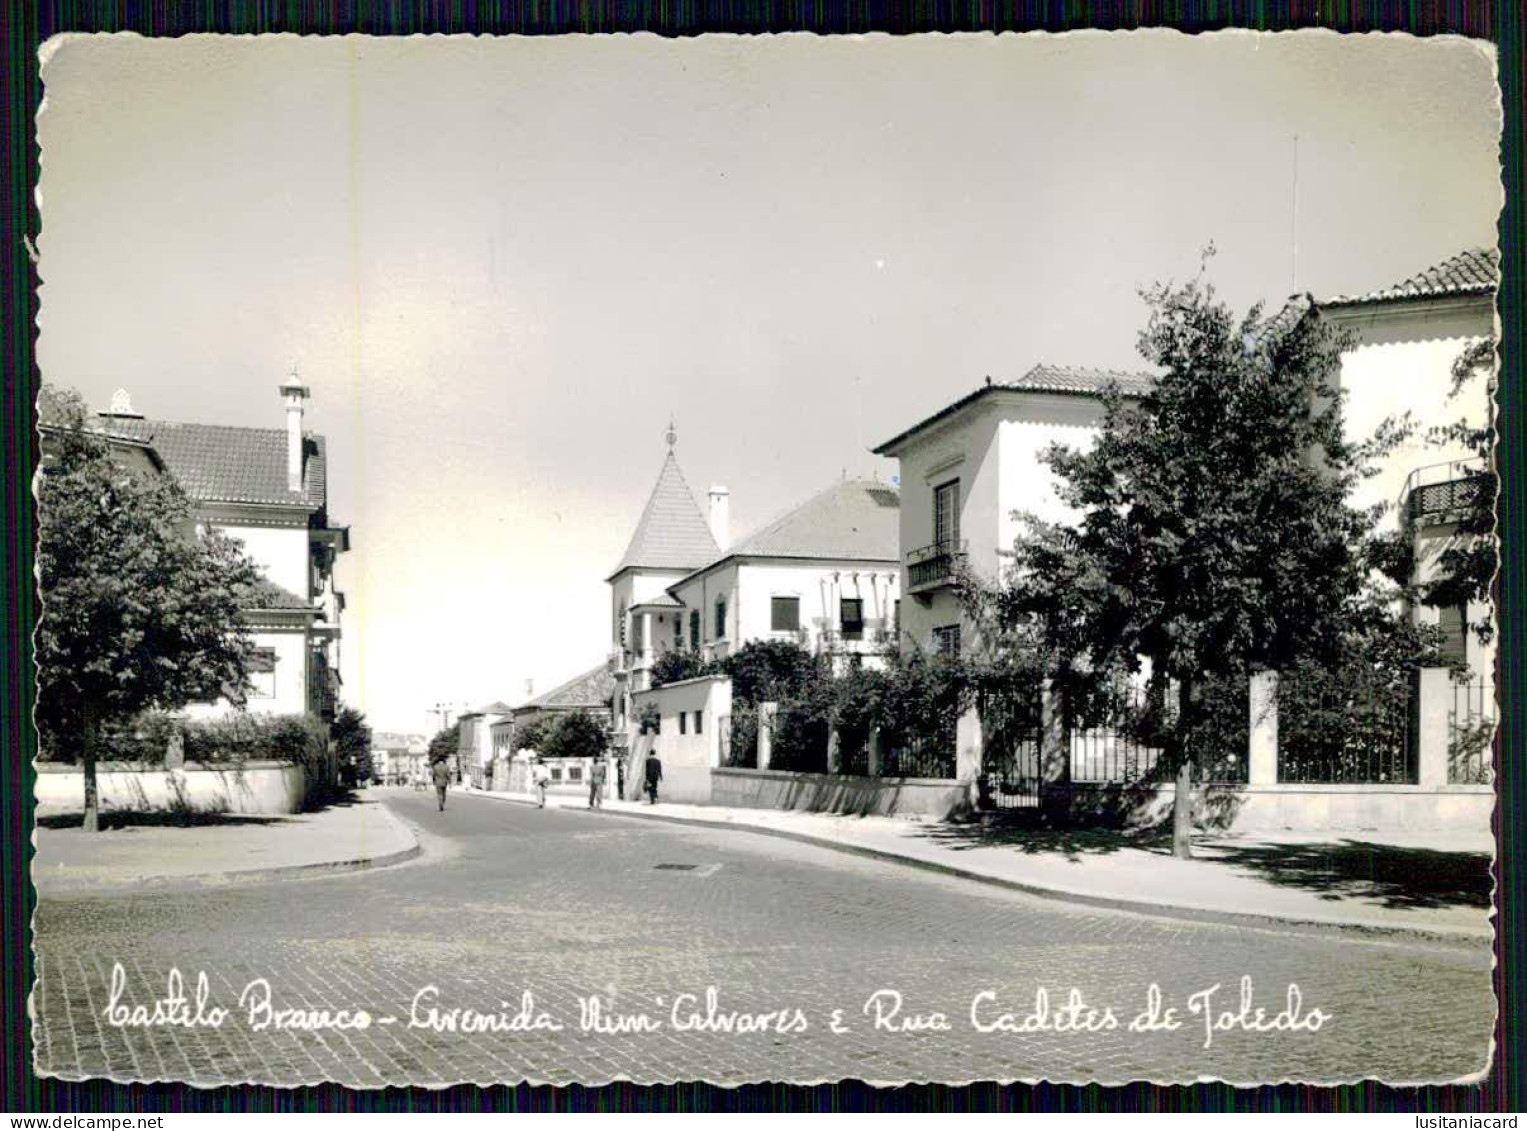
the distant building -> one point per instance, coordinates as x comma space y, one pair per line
474, 742
593, 692
399, 758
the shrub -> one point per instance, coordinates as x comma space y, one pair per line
576, 735
671, 667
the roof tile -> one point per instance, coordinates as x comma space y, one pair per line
218, 463
672, 532
1475, 271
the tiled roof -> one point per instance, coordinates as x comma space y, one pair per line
266, 594
661, 601
218, 463
1069, 380
497, 707
672, 532
1475, 271
856, 520
591, 689
1293, 310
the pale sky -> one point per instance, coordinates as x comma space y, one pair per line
502, 264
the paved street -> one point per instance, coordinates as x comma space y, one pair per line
563, 906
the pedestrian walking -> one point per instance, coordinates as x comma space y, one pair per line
442, 776
597, 773
654, 775
540, 775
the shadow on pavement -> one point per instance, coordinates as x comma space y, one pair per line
1354, 869
1032, 840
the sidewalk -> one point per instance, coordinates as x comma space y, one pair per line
1433, 884
150, 849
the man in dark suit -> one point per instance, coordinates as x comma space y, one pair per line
654, 775
442, 775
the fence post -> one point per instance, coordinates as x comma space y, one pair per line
873, 753
834, 752
1262, 749
1054, 750
766, 713
1432, 737
968, 750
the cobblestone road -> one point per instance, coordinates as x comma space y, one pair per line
566, 906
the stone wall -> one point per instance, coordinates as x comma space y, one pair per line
837, 793
263, 788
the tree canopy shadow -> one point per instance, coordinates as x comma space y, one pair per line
1037, 839
1397, 877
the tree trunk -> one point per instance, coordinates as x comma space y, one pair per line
1182, 802
92, 721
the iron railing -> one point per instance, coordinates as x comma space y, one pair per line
921, 756
1336, 730
1470, 728
1438, 500
938, 564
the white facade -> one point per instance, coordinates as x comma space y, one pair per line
815, 591
1403, 364
992, 451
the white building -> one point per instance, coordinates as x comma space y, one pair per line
825, 574
268, 489
968, 469
474, 742
1407, 337
672, 539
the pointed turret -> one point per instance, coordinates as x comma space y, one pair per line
673, 532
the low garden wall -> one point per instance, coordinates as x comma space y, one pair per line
254, 787
837, 793
1288, 807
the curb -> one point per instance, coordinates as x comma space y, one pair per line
1454, 936
239, 876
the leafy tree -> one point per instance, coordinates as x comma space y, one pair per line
577, 735
352, 743
138, 611
1213, 534
1466, 567
535, 734
765, 670
445, 743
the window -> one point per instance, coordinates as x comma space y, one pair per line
1454, 624
683, 720
946, 513
699, 726
720, 619
678, 631
946, 640
638, 638
262, 673
896, 620
784, 614
851, 617
575, 773
694, 630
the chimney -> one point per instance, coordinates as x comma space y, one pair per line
721, 517
295, 394
530, 689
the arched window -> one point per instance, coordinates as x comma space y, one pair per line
720, 618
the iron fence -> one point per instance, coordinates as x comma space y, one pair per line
1111, 736
1347, 728
1470, 728
738, 736
920, 756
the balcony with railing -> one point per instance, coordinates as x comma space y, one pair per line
931, 567
1441, 492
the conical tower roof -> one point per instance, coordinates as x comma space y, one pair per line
672, 533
